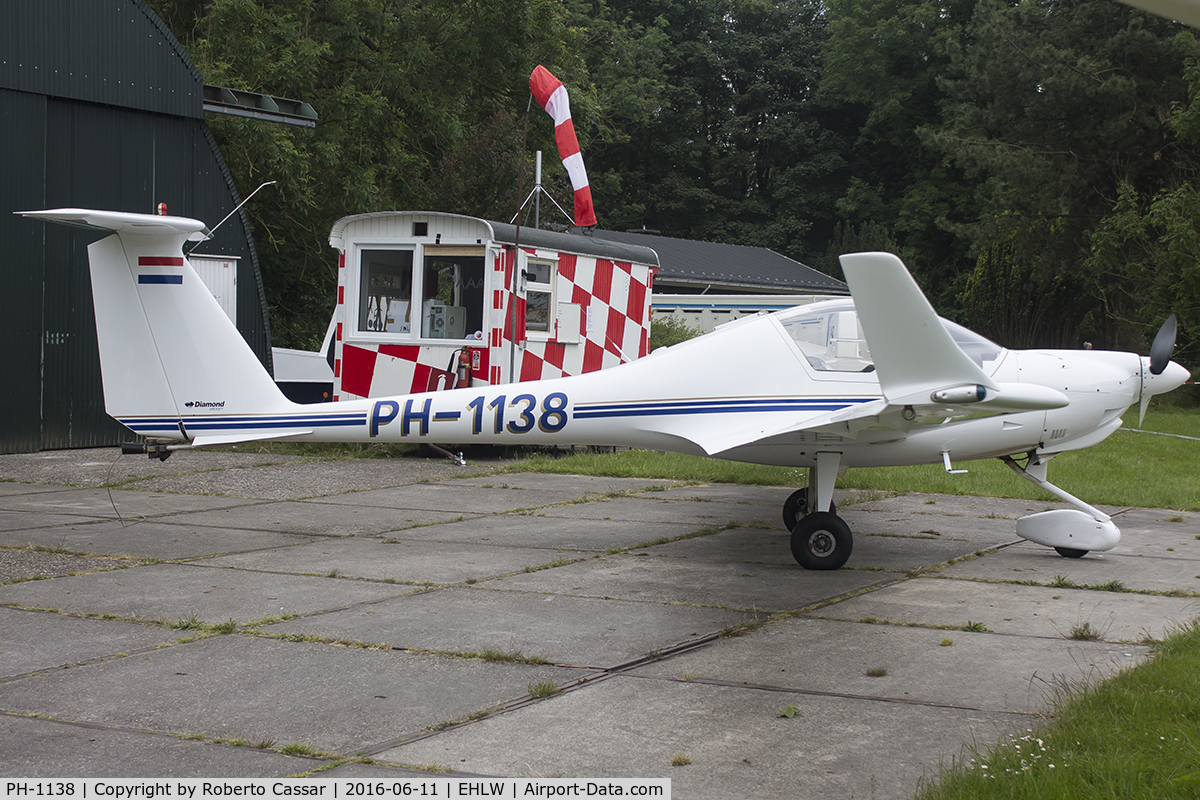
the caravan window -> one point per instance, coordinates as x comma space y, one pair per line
439, 295
539, 296
385, 291
452, 293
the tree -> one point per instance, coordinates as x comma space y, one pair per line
410, 95
1145, 255
705, 124
1055, 106
1145, 264
882, 63
1005, 304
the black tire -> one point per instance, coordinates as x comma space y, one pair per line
1070, 552
796, 507
821, 540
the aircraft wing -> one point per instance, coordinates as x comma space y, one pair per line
917, 361
717, 439
922, 372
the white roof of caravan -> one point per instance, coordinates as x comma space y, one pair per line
390, 225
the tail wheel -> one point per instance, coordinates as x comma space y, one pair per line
821, 540
796, 507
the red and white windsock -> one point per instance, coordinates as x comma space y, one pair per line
552, 96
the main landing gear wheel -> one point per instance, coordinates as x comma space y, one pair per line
821, 540
796, 507
1070, 552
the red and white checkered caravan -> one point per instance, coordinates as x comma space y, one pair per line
430, 301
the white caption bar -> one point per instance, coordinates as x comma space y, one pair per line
335, 789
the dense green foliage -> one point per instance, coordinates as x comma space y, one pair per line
1053, 109
666, 331
1033, 162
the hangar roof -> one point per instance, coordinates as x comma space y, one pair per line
727, 267
118, 55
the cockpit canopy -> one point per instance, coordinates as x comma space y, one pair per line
831, 338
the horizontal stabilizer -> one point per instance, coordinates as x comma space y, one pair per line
124, 222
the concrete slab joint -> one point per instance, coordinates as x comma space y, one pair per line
245, 615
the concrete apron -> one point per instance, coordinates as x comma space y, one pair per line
668, 621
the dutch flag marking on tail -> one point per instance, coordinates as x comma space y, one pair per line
172, 278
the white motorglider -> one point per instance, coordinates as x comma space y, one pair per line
879, 380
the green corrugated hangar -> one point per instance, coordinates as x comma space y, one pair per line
100, 107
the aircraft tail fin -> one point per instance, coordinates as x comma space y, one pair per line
169, 356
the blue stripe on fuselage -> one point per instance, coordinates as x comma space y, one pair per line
219, 423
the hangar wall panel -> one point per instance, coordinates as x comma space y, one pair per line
22, 127
115, 52
99, 107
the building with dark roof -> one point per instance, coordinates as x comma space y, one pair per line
687, 266
100, 107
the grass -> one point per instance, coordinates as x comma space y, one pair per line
297, 749
189, 623
1134, 735
655, 464
512, 657
192, 622
1086, 632
1061, 582
543, 689
337, 451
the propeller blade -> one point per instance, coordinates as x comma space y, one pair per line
1164, 343
1142, 407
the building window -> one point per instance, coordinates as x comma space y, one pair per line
385, 291
539, 297
452, 294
